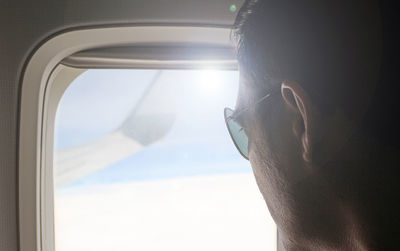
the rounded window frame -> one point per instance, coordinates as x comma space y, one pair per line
44, 82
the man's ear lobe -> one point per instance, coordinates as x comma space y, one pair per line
298, 101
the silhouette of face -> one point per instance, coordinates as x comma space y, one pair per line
280, 132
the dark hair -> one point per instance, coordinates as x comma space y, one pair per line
332, 48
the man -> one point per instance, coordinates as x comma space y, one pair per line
316, 118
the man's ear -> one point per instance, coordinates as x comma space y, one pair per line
299, 102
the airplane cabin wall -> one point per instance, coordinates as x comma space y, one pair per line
26, 24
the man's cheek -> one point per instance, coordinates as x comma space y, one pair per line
264, 167
268, 186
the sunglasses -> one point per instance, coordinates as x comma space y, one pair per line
235, 127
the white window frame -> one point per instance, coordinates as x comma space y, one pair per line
43, 84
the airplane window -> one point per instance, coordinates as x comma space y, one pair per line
143, 161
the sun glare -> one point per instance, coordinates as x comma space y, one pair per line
210, 81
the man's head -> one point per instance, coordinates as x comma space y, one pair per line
314, 157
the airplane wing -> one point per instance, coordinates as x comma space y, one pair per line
148, 122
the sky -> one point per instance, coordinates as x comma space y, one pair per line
99, 101
190, 183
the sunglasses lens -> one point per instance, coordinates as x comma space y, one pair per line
237, 133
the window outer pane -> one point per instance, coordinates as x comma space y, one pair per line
185, 188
